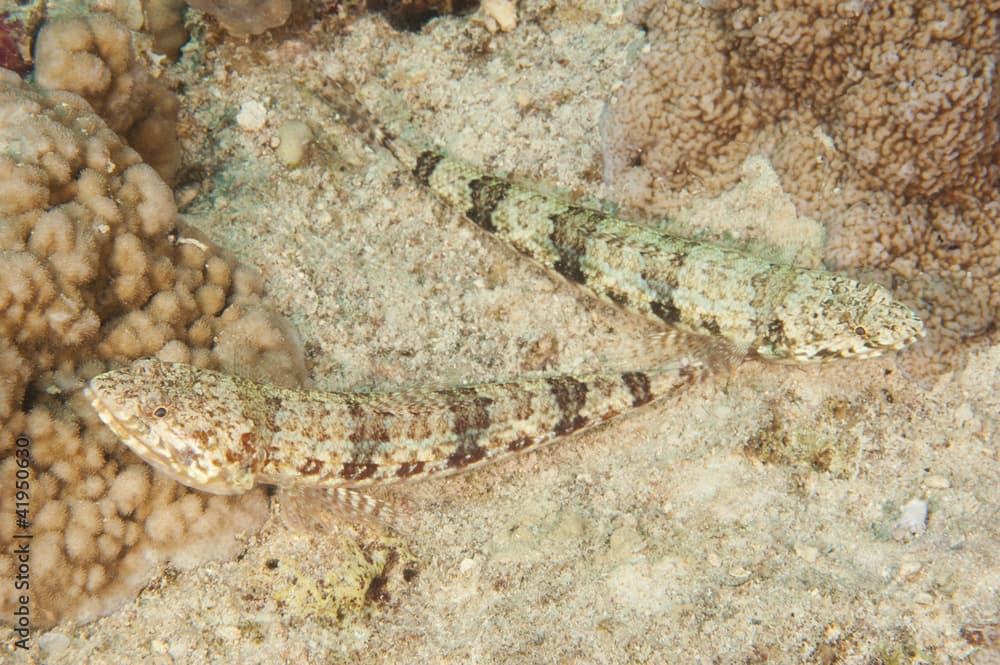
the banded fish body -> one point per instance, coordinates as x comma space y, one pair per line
771, 311
223, 434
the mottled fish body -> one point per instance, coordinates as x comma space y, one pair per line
223, 434
767, 310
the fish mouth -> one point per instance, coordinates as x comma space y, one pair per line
127, 428
133, 432
911, 331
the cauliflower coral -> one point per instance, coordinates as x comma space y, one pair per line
98, 271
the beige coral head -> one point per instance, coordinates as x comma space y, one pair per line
178, 420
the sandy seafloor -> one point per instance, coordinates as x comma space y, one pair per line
666, 536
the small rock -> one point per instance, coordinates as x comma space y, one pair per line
908, 570
179, 652
912, 521
570, 527
738, 576
739, 572
807, 553
625, 543
294, 138
252, 116
503, 12
937, 482
52, 644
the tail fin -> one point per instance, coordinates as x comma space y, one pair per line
342, 97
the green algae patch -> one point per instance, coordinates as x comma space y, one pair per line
356, 578
830, 441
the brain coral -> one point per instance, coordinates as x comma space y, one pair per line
882, 119
97, 272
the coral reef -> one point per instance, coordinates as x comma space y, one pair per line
97, 272
157, 25
93, 57
681, 115
905, 88
246, 17
164, 20
883, 122
13, 54
413, 14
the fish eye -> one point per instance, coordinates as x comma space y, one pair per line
860, 331
160, 411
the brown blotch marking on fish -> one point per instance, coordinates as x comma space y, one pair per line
427, 162
470, 416
775, 335
407, 469
261, 409
520, 404
262, 461
352, 471
827, 353
638, 385
711, 325
617, 297
570, 230
470, 412
465, 455
272, 405
690, 374
367, 426
311, 467
570, 396
248, 442
661, 276
520, 444
665, 310
486, 194
419, 428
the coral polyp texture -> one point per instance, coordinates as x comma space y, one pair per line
93, 57
246, 17
97, 271
880, 118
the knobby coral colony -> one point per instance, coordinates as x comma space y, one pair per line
883, 120
97, 272
93, 57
